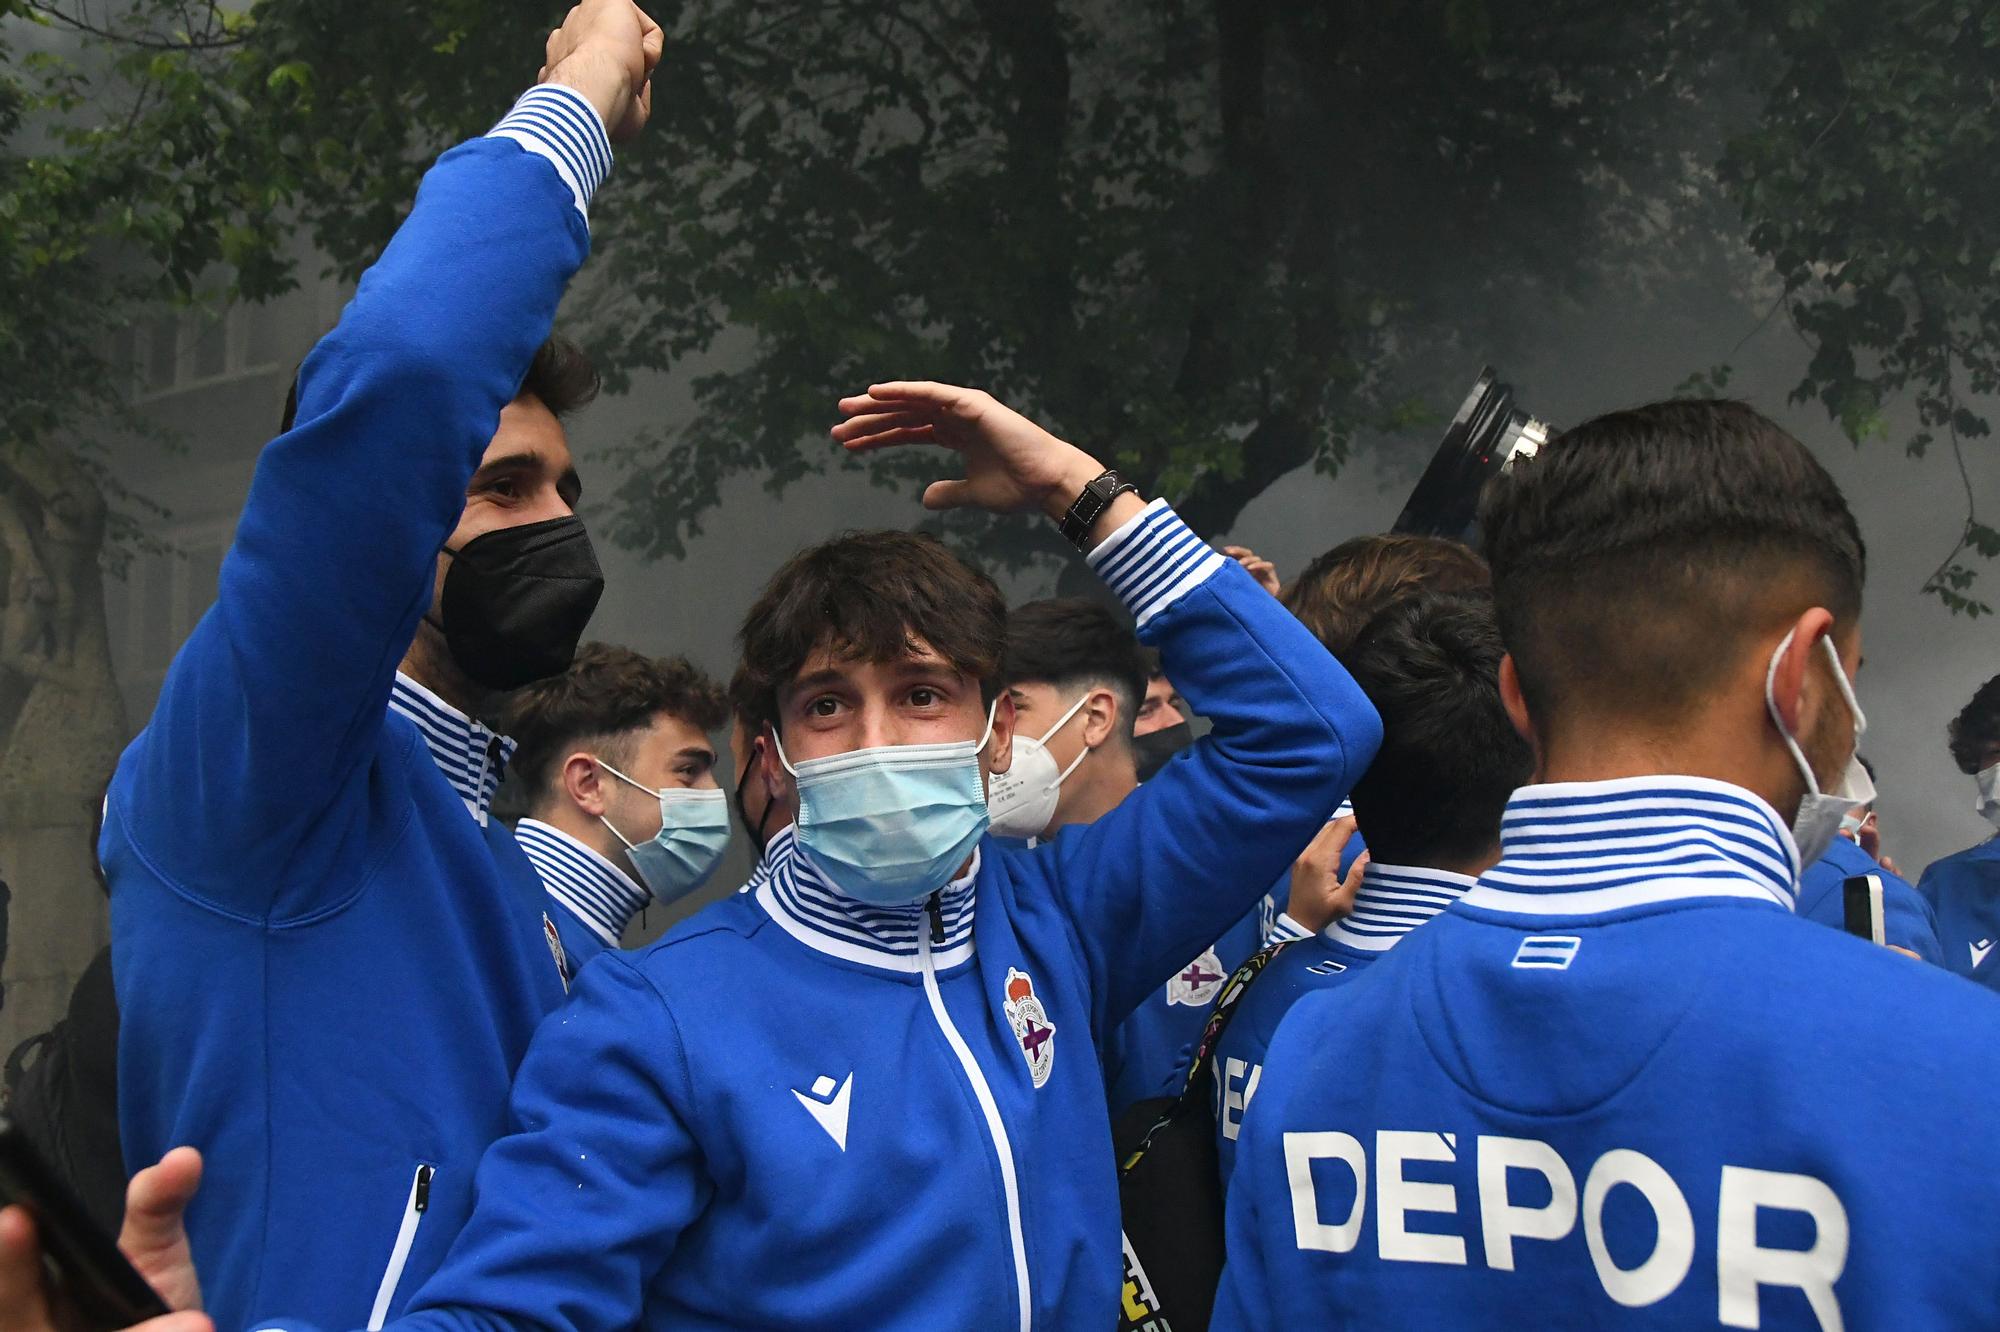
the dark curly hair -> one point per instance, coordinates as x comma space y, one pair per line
1975, 731
605, 701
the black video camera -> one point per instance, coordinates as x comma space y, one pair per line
1488, 436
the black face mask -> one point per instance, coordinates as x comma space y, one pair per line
516, 601
756, 830
1154, 749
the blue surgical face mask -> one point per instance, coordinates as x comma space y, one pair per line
889, 826
694, 834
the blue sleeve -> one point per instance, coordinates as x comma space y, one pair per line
1243, 1298
1908, 921
581, 1204
241, 789
1161, 877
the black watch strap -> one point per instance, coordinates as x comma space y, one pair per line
1090, 506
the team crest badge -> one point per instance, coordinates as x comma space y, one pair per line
556, 950
1197, 983
1033, 1031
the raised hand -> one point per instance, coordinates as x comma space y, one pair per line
1011, 464
1259, 568
1320, 895
607, 50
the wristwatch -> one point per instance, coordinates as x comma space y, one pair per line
1090, 506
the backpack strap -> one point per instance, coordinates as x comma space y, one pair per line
1211, 1035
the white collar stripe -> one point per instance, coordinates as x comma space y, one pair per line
1152, 560
792, 891
458, 745
1393, 900
604, 896
1588, 847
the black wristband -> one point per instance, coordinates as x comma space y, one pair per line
1090, 506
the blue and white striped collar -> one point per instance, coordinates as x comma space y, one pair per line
471, 755
811, 910
1392, 901
596, 892
1584, 848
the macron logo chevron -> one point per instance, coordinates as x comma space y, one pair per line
828, 1107
1979, 952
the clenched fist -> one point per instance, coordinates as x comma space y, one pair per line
607, 50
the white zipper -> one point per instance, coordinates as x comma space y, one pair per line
406, 1235
991, 1109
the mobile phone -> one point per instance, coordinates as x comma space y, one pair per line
88, 1272
1488, 436
1861, 903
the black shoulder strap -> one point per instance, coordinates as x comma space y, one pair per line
1218, 1022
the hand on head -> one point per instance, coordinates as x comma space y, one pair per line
1259, 568
1320, 893
607, 50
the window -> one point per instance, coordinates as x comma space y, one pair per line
190, 349
161, 372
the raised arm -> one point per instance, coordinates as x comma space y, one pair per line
273, 706
1165, 874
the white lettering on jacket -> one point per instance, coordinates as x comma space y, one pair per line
1233, 1090
1743, 1267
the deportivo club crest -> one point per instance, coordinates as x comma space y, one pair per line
1196, 983
1033, 1031
556, 950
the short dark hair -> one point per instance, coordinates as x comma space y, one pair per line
1639, 554
1340, 592
1975, 731
1071, 642
869, 596
608, 698
1450, 758
560, 376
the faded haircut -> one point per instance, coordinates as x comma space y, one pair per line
1640, 554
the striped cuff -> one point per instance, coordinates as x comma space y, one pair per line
1153, 560
1285, 930
560, 124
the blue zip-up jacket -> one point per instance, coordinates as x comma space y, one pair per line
1147, 1057
1907, 919
1392, 901
328, 967
796, 1110
1964, 891
1621, 1084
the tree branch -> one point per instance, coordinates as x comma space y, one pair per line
145, 42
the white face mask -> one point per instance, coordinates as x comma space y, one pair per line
1820, 812
1022, 800
1988, 803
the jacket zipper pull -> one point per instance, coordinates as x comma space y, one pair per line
422, 1201
936, 907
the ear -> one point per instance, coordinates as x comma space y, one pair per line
583, 781
1788, 682
1100, 717
778, 786
1000, 749
1515, 702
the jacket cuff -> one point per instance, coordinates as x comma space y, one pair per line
1285, 930
1153, 561
559, 123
